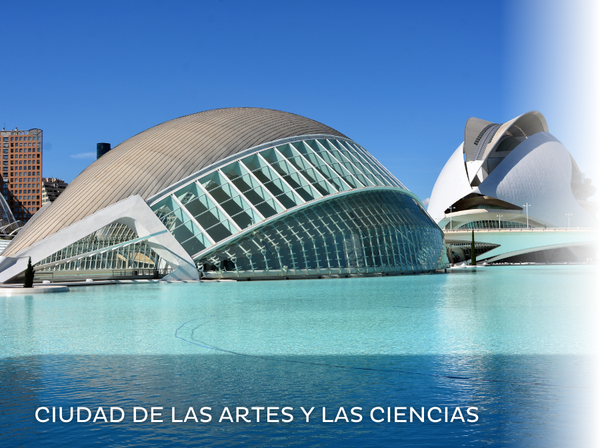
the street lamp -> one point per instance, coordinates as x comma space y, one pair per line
499, 216
527, 205
569, 220
451, 208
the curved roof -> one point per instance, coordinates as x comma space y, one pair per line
482, 136
451, 185
154, 159
524, 125
538, 170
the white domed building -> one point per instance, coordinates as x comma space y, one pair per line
513, 175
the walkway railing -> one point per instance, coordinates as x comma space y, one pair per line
113, 274
531, 229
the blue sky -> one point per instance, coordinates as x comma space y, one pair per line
400, 78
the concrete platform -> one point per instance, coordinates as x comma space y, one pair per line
18, 290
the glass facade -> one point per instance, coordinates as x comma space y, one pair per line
385, 230
306, 207
364, 233
259, 186
106, 249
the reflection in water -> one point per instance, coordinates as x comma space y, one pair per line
518, 414
504, 340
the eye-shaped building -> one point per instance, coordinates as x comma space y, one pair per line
241, 193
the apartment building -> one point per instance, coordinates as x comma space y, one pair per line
22, 170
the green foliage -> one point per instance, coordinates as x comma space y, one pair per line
473, 257
29, 273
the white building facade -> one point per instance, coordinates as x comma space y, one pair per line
512, 176
516, 169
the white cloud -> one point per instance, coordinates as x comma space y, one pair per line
84, 155
426, 201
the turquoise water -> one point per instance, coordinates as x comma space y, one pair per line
515, 342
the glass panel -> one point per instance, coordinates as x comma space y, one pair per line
321, 166
219, 232
230, 201
364, 233
361, 163
348, 163
254, 192
197, 207
234, 208
320, 149
289, 174
133, 256
376, 166
188, 193
307, 170
267, 176
185, 231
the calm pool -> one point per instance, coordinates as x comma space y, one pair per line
509, 347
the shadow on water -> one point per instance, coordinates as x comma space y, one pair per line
530, 400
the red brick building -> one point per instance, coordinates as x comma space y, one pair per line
22, 171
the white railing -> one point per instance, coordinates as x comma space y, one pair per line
536, 229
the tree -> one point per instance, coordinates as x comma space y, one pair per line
473, 261
29, 273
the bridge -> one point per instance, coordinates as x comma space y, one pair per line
497, 244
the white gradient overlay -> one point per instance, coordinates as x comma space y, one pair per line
552, 65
